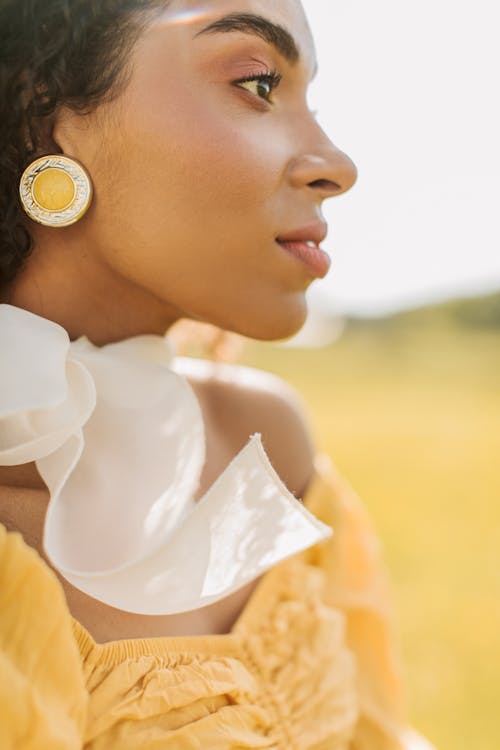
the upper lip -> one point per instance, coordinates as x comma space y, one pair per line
310, 233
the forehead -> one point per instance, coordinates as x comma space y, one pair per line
289, 14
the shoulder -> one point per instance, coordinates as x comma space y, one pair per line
39, 658
31, 598
244, 400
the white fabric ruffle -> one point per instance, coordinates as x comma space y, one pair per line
118, 437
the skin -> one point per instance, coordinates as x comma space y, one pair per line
194, 178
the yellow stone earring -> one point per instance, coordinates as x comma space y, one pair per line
55, 190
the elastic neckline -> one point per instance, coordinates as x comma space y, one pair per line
111, 653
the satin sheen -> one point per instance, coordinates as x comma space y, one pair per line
118, 437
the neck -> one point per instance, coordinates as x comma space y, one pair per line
62, 283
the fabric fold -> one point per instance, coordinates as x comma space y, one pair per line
119, 439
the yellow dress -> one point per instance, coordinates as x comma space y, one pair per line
309, 665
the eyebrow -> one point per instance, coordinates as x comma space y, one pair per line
248, 23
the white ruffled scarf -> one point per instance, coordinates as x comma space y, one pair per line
118, 437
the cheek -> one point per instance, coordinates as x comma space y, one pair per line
188, 149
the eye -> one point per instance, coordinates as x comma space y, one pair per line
261, 85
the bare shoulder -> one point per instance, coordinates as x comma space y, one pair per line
243, 400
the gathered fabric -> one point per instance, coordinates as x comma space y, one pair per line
310, 664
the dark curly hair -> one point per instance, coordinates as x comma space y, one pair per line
53, 53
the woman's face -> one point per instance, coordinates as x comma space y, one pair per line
198, 172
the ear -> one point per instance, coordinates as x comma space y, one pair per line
68, 130
81, 135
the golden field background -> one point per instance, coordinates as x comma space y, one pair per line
408, 407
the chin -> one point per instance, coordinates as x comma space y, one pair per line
277, 324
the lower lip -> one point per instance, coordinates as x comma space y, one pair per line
313, 257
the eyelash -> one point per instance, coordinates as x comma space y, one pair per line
272, 77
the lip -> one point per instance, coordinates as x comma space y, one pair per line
311, 232
311, 255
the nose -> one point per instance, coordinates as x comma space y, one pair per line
322, 168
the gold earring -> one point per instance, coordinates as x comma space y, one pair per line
55, 190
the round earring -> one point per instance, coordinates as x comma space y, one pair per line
55, 190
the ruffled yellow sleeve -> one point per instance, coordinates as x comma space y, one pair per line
43, 700
358, 586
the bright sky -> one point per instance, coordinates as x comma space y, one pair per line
411, 91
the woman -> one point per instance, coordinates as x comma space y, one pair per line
159, 162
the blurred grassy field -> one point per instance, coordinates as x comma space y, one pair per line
410, 413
